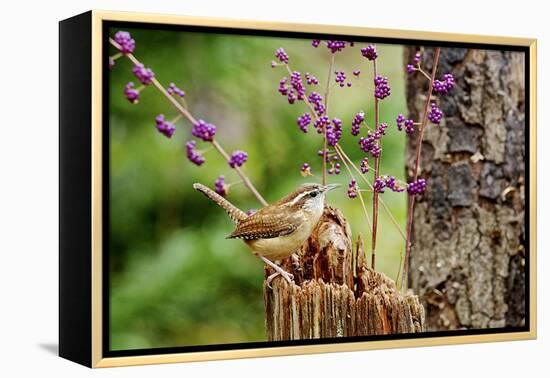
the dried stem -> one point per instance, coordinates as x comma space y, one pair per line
327, 92
419, 139
376, 174
192, 120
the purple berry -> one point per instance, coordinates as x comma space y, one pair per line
410, 68
381, 87
364, 165
174, 90
417, 187
164, 127
194, 156
145, 75
131, 93
435, 114
237, 159
352, 189
305, 170
369, 52
125, 41
444, 86
204, 130
399, 121
409, 126
311, 80
336, 46
379, 185
281, 55
356, 72
356, 123
315, 43
340, 78
334, 132
220, 186
303, 121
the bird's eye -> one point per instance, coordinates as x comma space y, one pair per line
313, 194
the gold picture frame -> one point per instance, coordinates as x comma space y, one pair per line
92, 23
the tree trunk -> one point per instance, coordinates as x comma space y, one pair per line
467, 259
334, 293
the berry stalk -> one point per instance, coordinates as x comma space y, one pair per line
193, 121
419, 139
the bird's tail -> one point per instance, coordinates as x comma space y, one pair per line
235, 214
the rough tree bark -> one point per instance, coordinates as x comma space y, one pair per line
467, 260
334, 293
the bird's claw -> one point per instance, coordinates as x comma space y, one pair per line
287, 276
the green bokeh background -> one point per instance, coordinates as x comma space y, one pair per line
174, 278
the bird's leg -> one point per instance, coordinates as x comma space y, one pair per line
278, 271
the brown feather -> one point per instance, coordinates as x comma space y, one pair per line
265, 224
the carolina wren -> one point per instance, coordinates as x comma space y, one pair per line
276, 231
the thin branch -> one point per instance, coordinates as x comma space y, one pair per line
410, 214
192, 120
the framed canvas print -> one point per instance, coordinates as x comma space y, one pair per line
236, 189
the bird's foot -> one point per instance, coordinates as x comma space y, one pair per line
287, 276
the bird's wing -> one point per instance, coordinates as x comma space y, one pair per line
264, 226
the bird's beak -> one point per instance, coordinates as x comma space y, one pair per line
328, 187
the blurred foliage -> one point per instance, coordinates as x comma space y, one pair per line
175, 279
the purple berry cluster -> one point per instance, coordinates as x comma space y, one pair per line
445, 85
334, 169
364, 165
321, 124
417, 58
435, 114
336, 46
297, 85
220, 187
381, 87
281, 55
369, 52
131, 93
334, 132
174, 90
391, 183
417, 187
399, 121
145, 75
386, 182
164, 127
379, 185
317, 101
356, 123
303, 121
125, 41
353, 190
310, 79
294, 91
410, 68
238, 158
340, 78
315, 43
325, 154
192, 154
408, 123
370, 143
204, 130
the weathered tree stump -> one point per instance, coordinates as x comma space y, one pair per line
334, 293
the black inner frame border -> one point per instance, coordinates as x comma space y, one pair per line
107, 352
